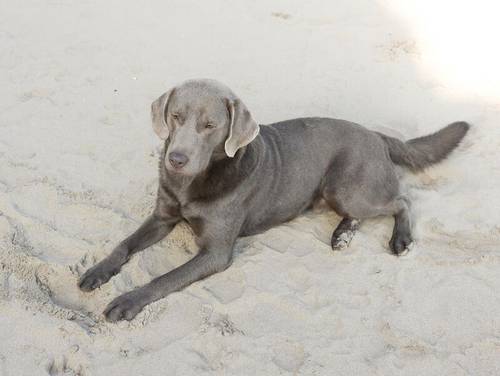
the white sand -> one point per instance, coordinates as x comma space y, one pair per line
78, 167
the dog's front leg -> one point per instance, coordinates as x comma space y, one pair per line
151, 231
207, 262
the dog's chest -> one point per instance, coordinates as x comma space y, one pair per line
195, 216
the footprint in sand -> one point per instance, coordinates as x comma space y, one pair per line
289, 356
66, 365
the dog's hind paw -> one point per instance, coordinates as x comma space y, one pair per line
343, 234
342, 241
400, 244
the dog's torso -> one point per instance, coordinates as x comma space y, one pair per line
275, 178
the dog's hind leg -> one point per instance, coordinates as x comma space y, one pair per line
344, 232
364, 194
401, 234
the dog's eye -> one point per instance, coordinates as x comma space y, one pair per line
175, 116
210, 126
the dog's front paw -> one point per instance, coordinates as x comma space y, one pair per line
97, 275
125, 307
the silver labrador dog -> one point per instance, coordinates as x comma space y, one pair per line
229, 177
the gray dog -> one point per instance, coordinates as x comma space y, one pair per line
228, 177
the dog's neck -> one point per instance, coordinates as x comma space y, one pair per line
221, 177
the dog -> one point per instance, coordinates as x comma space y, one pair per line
228, 177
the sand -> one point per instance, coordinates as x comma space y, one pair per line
78, 172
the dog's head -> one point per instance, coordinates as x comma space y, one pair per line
204, 121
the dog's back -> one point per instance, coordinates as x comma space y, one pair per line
294, 159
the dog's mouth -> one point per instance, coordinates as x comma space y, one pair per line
177, 171
182, 172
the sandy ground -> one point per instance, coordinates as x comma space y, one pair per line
78, 167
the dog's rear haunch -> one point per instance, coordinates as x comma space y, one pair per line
229, 177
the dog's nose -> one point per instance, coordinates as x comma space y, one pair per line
177, 160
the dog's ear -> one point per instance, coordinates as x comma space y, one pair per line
242, 128
158, 113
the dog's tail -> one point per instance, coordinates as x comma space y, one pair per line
418, 153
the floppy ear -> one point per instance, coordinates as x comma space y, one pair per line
158, 108
242, 128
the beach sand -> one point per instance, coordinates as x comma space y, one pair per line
78, 173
